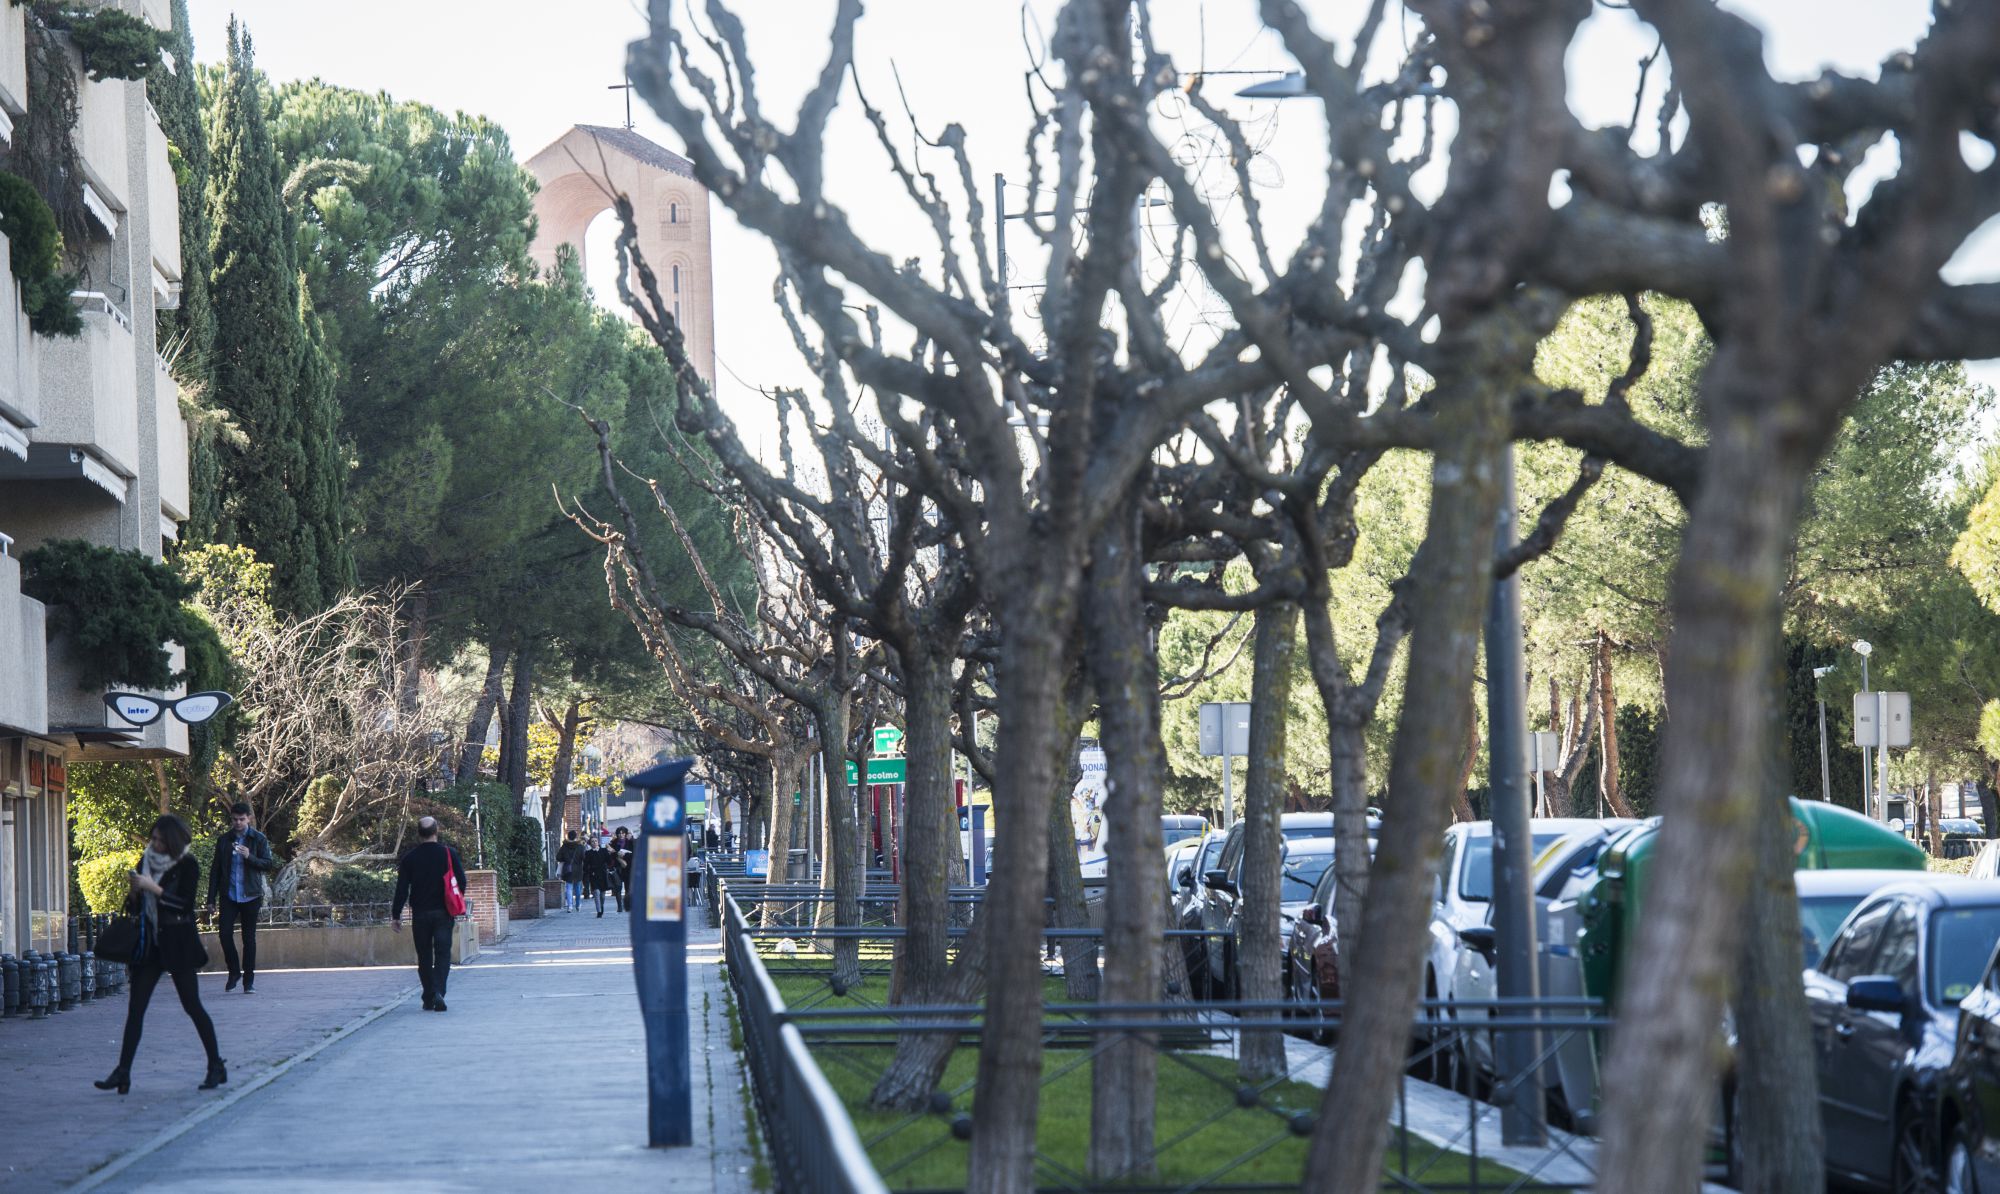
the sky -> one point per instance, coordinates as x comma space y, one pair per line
536, 68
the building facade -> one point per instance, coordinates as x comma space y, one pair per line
92, 447
579, 173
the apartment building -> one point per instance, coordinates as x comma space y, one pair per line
92, 447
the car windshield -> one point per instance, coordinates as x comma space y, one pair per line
1179, 833
1475, 881
1819, 918
1302, 874
1961, 945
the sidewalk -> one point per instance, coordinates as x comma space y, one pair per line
533, 1081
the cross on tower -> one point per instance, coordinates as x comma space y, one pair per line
625, 87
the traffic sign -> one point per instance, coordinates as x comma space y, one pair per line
1895, 707
1225, 728
886, 771
888, 740
853, 776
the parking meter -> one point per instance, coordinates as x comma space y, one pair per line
659, 950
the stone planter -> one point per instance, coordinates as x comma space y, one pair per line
526, 903
552, 893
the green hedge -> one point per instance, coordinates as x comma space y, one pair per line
34, 248
103, 880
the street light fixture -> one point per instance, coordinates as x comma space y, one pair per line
1825, 781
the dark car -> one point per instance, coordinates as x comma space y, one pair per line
1312, 957
1884, 1002
1220, 893
1185, 912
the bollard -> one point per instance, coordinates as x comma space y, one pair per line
38, 990
69, 968
89, 989
659, 950
10, 985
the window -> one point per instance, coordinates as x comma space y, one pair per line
1848, 957
677, 279
1897, 955
1300, 873
1962, 941
1475, 878
673, 213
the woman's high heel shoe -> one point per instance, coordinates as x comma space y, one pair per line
217, 1075
120, 1081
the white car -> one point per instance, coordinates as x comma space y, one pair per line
1464, 900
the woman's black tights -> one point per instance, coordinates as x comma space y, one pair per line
144, 979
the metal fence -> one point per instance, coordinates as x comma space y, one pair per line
815, 1054
306, 915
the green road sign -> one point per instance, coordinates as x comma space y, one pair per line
853, 776
888, 740
798, 798
886, 771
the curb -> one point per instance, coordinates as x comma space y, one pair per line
187, 1123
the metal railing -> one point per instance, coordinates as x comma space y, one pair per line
303, 916
1220, 1130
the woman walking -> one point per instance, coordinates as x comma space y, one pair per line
597, 873
165, 890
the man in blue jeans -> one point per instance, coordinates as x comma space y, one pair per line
236, 874
569, 868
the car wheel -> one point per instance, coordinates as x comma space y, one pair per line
1914, 1166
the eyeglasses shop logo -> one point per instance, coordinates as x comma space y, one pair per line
138, 709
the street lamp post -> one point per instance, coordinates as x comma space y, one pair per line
1825, 781
1863, 648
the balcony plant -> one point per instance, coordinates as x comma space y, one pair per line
35, 258
118, 609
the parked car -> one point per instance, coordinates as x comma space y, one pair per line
1186, 910
1827, 897
1464, 892
1960, 837
1968, 1131
1884, 1003
1312, 957
1219, 892
1178, 827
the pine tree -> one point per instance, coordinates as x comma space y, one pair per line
187, 333
282, 488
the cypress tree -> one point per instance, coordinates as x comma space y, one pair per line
187, 333
282, 486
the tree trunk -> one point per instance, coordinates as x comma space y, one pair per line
784, 781
1660, 1074
1450, 582
1032, 675
520, 711
842, 852
1777, 1088
1933, 797
929, 834
559, 772
1348, 713
1261, 1054
1125, 673
1461, 793
413, 655
921, 1057
1607, 729
482, 714
1068, 909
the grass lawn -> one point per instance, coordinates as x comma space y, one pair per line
1203, 1135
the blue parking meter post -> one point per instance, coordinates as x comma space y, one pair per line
978, 815
659, 950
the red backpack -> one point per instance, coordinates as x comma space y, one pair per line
454, 899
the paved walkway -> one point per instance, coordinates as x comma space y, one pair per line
533, 1081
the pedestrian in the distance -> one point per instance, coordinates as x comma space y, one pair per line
597, 874
236, 874
420, 878
621, 871
711, 838
164, 889
569, 868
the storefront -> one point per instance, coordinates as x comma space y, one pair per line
34, 846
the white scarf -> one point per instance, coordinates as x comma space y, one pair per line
154, 865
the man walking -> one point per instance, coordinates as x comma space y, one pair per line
236, 874
569, 868
420, 884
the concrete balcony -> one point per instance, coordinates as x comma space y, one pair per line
173, 447
158, 13
20, 354
90, 396
100, 140
13, 62
163, 212
24, 678
100, 734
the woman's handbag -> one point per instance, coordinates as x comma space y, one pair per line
120, 941
454, 899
